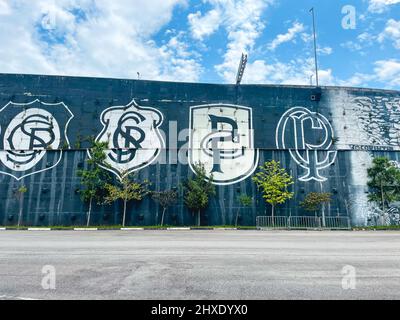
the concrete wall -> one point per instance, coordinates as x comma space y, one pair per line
327, 145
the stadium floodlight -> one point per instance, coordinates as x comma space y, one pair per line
242, 68
315, 46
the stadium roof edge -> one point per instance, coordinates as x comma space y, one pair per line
206, 83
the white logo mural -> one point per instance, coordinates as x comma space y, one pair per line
222, 139
33, 128
309, 137
133, 135
377, 121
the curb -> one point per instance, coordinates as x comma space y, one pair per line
132, 229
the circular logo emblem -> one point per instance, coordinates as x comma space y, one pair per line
28, 136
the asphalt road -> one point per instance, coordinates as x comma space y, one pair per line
200, 265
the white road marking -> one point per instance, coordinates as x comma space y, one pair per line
17, 298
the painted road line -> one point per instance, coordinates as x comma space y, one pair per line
225, 229
86, 229
16, 298
39, 229
132, 229
178, 229
3, 229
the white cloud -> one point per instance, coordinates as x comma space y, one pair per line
326, 51
379, 6
388, 71
306, 37
295, 72
183, 63
203, 26
94, 38
363, 40
299, 71
366, 37
242, 21
4, 7
358, 79
287, 37
391, 32
326, 77
352, 46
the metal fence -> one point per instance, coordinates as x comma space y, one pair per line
337, 223
275, 222
303, 223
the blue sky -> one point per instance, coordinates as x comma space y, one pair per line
202, 40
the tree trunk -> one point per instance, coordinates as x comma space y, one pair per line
162, 217
237, 217
124, 216
20, 210
89, 212
383, 198
273, 215
198, 218
323, 216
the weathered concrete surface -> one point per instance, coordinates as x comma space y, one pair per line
200, 265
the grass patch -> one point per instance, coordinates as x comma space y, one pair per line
60, 227
379, 228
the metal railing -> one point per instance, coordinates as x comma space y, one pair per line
337, 223
303, 223
275, 222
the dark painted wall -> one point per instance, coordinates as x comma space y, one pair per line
53, 199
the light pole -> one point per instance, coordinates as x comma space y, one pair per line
315, 47
242, 68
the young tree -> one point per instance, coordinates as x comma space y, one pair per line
245, 201
198, 191
314, 201
165, 199
94, 178
20, 193
384, 182
274, 183
126, 190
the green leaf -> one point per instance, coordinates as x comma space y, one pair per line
199, 189
274, 182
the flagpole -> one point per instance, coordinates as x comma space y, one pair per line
315, 47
